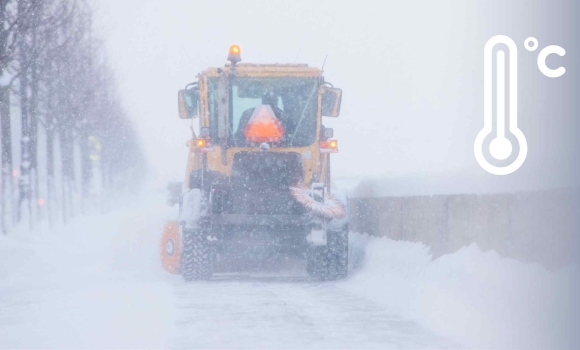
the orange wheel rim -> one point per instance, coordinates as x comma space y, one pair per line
170, 247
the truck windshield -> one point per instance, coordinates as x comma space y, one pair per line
293, 100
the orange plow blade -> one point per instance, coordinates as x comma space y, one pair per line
170, 247
329, 208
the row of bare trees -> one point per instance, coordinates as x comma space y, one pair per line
65, 140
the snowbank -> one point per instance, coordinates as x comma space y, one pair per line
93, 283
477, 299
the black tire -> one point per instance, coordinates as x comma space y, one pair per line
197, 258
330, 262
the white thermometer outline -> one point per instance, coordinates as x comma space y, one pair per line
500, 147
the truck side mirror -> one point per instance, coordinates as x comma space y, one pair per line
188, 102
331, 99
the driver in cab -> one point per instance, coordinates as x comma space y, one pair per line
268, 98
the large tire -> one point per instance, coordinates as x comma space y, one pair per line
330, 262
197, 257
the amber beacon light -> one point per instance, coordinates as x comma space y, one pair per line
234, 55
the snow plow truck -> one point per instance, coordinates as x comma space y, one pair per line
258, 177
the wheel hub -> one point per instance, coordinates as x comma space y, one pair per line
169, 247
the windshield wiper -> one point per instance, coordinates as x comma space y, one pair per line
302, 115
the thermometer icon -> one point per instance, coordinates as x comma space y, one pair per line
500, 147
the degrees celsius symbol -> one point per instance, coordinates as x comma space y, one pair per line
500, 147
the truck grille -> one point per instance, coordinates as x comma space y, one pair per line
260, 183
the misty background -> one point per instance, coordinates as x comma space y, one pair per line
411, 72
491, 270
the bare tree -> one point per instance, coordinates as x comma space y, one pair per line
10, 24
52, 64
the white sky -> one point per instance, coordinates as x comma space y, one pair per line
411, 73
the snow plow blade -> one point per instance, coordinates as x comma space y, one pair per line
323, 205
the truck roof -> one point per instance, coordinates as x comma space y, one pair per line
257, 70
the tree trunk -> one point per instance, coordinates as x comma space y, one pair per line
25, 151
34, 89
24, 180
50, 193
86, 170
7, 180
67, 165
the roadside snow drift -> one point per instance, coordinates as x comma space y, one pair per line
93, 283
477, 299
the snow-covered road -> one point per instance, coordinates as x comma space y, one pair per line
127, 309
102, 292
295, 313
97, 283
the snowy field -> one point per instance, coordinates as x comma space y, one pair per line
97, 283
